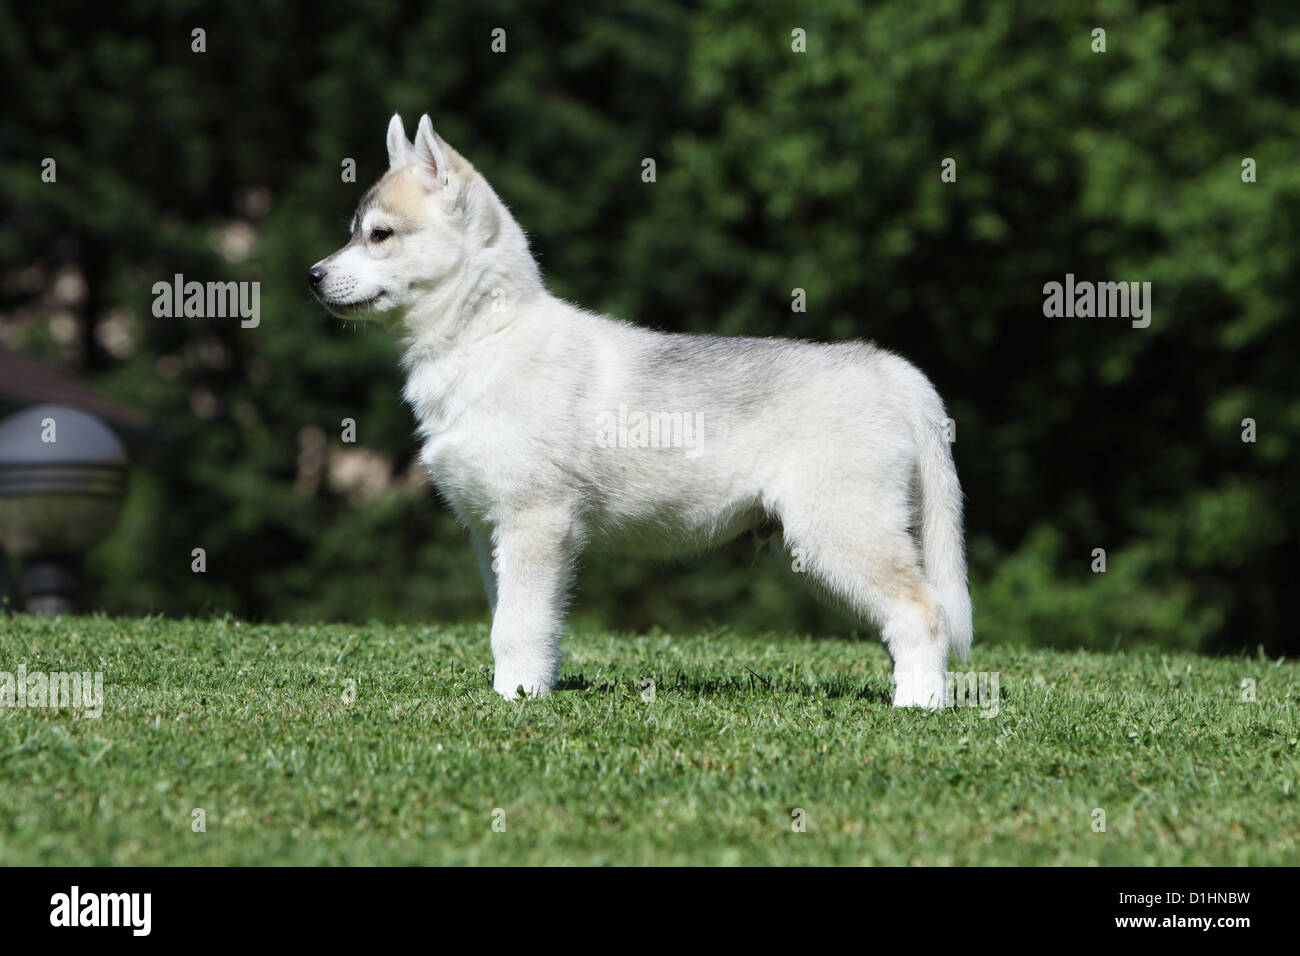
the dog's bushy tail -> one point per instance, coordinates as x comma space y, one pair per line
941, 524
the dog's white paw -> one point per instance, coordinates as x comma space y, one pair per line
512, 683
919, 690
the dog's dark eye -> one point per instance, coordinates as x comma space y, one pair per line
379, 234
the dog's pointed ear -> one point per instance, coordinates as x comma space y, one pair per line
432, 158
399, 147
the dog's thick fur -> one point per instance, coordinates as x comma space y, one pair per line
551, 430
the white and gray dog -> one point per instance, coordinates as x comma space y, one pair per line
551, 430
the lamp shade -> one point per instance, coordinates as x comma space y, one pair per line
62, 481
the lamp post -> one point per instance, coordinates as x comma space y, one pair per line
62, 481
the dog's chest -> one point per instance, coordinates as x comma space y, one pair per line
483, 461
489, 438
458, 458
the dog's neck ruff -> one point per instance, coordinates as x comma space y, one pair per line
448, 335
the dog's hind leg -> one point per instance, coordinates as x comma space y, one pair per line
535, 553
869, 561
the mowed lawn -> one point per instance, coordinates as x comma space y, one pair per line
751, 750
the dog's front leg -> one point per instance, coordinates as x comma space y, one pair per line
481, 538
535, 551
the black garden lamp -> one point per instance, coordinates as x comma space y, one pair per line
62, 481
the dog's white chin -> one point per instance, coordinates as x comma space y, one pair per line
359, 308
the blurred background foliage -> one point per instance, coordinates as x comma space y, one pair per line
775, 170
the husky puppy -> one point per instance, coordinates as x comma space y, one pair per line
551, 430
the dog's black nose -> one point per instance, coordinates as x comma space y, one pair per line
315, 275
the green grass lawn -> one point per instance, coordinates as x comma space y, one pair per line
253, 725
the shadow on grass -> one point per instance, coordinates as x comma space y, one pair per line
750, 684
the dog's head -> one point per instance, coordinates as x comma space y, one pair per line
412, 230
